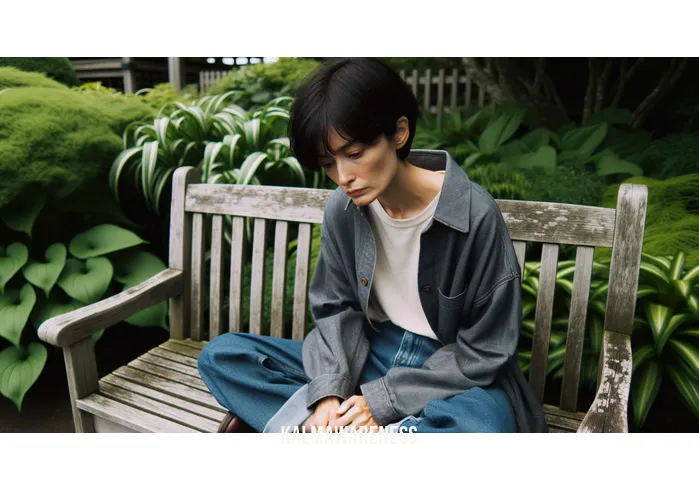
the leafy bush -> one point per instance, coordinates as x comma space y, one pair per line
36, 286
501, 181
258, 84
570, 183
59, 69
229, 144
160, 96
672, 156
13, 77
58, 138
672, 216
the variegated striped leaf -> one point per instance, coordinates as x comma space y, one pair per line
688, 353
644, 389
687, 386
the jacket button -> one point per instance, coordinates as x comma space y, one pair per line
364, 282
427, 288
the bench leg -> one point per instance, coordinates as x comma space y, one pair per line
81, 370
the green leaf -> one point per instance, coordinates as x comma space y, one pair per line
45, 275
500, 129
101, 240
86, 281
536, 139
687, 386
544, 158
645, 386
584, 141
18, 373
15, 307
659, 318
609, 164
138, 267
688, 353
641, 355
11, 260
53, 308
691, 274
21, 216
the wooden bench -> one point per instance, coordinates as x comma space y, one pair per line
162, 391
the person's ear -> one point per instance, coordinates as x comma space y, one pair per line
402, 132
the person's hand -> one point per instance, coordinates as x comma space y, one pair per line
356, 413
323, 414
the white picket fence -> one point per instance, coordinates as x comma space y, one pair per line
438, 92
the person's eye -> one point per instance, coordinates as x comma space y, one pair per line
355, 155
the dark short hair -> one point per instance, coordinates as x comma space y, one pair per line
362, 98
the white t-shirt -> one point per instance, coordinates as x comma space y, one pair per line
394, 290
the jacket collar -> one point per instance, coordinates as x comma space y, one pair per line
454, 205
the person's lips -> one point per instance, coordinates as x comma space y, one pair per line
356, 193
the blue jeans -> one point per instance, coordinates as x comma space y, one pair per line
261, 379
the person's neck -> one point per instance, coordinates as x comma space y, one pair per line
410, 192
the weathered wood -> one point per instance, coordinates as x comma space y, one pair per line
216, 278
576, 328
130, 417
175, 72
170, 387
81, 371
163, 397
236, 290
268, 202
608, 412
181, 349
170, 364
66, 329
413, 82
467, 95
558, 223
171, 355
105, 426
191, 343
257, 279
156, 408
173, 376
197, 287
129, 85
440, 96
626, 258
427, 85
180, 249
454, 88
279, 278
520, 250
301, 282
542, 321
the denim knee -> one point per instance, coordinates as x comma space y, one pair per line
230, 343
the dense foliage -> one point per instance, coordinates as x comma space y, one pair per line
59, 69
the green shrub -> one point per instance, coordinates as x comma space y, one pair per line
672, 216
59, 69
672, 156
13, 77
56, 139
263, 82
570, 183
160, 95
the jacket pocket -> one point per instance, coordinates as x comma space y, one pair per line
451, 314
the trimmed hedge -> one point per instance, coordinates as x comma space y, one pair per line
57, 138
13, 77
59, 69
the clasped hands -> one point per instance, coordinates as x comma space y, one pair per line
330, 414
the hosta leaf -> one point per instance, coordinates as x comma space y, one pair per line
544, 158
45, 275
18, 373
584, 141
687, 386
688, 353
645, 386
138, 268
500, 129
86, 281
536, 139
609, 164
101, 240
21, 216
11, 260
15, 307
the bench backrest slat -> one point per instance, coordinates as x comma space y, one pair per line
293, 212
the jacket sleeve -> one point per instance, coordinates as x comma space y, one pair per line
487, 338
337, 341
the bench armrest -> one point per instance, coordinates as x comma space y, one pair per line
66, 329
609, 411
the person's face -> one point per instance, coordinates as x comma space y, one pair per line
364, 171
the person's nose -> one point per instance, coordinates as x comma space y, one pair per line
344, 175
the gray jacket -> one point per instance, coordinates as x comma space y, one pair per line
469, 283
